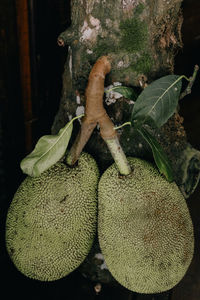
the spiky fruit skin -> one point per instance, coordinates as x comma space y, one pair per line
144, 227
51, 221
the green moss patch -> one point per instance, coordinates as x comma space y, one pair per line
143, 64
104, 46
139, 9
134, 35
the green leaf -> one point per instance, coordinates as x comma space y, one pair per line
48, 150
125, 91
157, 102
159, 155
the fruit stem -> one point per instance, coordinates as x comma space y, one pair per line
95, 113
80, 141
118, 155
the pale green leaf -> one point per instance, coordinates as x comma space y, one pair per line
48, 150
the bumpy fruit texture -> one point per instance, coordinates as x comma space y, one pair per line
51, 221
145, 230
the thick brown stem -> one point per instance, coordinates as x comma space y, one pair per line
95, 113
94, 110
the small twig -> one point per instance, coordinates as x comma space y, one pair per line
190, 84
66, 37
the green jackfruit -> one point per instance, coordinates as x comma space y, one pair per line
144, 228
51, 221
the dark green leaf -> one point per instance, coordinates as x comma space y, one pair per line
125, 91
157, 102
159, 155
48, 150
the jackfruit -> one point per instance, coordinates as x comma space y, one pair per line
144, 228
51, 221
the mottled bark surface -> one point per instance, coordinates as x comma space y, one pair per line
141, 37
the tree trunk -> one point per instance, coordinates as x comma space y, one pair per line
141, 38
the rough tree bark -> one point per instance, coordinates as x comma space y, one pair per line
141, 37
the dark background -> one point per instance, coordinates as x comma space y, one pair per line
20, 128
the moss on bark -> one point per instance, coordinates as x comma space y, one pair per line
134, 35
